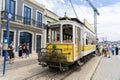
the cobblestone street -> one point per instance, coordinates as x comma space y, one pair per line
108, 69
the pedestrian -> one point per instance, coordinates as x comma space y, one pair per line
101, 49
27, 50
116, 49
11, 53
20, 50
105, 50
97, 49
23, 50
113, 49
0, 49
109, 50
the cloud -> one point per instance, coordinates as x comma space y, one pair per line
62, 6
62, 1
109, 21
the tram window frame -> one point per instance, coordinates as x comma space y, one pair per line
53, 34
67, 37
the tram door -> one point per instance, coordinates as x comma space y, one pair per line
79, 41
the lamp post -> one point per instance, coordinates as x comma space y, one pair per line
6, 39
1, 1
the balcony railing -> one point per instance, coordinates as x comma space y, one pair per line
22, 20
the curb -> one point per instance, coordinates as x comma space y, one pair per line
93, 70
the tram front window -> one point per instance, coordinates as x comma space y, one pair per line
54, 34
67, 33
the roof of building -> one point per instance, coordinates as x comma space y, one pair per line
36, 3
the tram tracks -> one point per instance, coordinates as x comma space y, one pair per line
53, 74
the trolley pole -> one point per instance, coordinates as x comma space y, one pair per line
6, 39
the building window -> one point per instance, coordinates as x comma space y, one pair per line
39, 19
11, 35
11, 9
27, 15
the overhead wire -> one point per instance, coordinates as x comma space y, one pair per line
73, 8
83, 11
84, 14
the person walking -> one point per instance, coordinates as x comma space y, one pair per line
27, 50
109, 50
113, 49
105, 50
11, 53
20, 50
101, 49
0, 49
23, 50
116, 49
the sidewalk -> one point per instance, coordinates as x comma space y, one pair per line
108, 69
18, 59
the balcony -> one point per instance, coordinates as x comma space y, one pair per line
22, 20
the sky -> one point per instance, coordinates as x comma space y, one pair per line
108, 25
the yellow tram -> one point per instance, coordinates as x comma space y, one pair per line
68, 42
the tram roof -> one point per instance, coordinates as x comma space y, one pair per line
72, 19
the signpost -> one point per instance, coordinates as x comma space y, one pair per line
6, 39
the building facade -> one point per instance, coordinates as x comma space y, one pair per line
27, 23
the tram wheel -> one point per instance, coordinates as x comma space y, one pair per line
78, 63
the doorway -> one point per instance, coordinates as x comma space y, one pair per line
26, 37
38, 43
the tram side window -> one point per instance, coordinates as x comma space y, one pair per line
86, 41
55, 34
67, 34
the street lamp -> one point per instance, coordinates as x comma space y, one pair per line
6, 39
1, 1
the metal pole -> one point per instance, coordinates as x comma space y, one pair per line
6, 39
0, 18
95, 23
